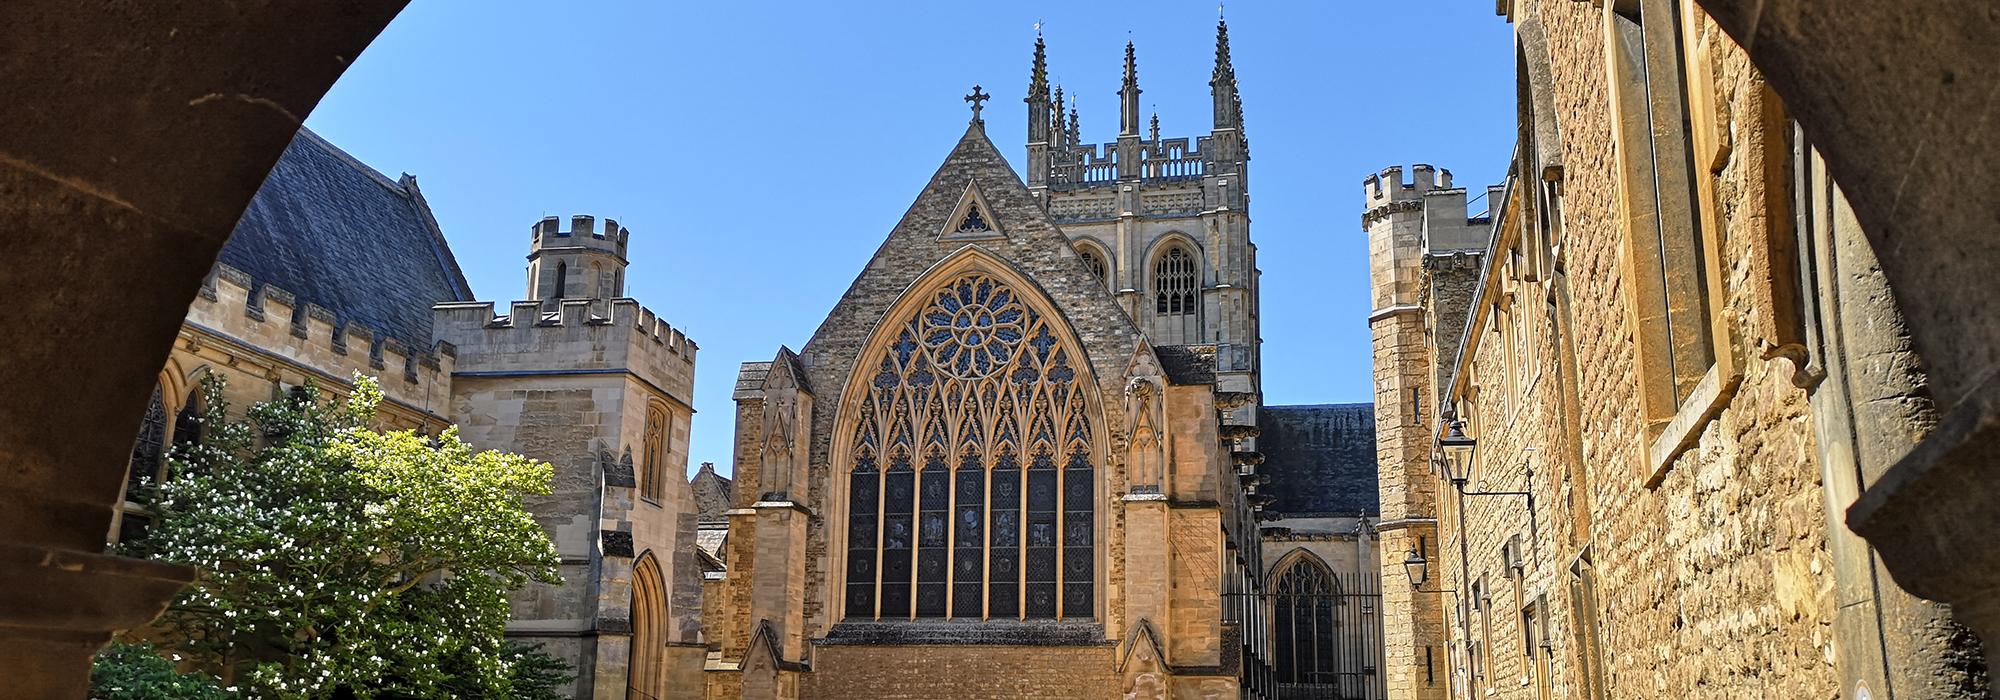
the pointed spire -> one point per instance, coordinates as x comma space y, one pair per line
1131, 66
1228, 105
1075, 131
1038, 77
1154, 133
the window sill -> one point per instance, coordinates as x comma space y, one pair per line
1684, 430
966, 632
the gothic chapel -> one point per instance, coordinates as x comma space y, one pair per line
1017, 459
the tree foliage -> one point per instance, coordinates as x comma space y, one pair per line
337, 560
136, 672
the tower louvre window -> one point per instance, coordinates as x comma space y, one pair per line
986, 506
1174, 280
1092, 261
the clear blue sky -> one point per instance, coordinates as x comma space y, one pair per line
760, 151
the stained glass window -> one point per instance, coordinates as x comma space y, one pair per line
1308, 633
972, 385
1174, 281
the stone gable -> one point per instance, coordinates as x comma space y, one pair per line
1037, 250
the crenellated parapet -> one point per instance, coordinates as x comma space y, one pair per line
1387, 192
263, 318
583, 232
528, 321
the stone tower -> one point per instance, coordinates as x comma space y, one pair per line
1422, 255
601, 388
581, 263
1165, 222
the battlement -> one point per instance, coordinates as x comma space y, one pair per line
583, 232
1389, 186
526, 321
271, 319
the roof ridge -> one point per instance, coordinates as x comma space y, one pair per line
351, 161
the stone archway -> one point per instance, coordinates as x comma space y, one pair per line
131, 139
1901, 98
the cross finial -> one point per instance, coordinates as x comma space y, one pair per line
977, 98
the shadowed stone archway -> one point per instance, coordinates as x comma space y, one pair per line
1903, 100
132, 135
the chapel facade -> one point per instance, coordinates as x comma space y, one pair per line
1023, 445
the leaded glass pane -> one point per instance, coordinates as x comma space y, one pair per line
148, 448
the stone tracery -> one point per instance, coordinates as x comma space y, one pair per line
973, 465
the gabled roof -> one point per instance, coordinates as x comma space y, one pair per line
1321, 459
1023, 237
336, 233
713, 494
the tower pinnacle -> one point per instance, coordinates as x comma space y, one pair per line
1038, 77
1128, 96
1228, 104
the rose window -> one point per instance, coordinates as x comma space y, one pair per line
973, 328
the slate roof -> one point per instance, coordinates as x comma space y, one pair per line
1321, 459
1187, 364
335, 232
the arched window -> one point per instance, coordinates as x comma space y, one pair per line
971, 488
150, 446
1174, 280
562, 280
654, 452
187, 423
645, 676
1308, 631
1092, 261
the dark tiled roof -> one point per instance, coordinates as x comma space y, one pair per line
338, 234
712, 493
1187, 364
1321, 459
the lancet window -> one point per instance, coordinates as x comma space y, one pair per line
972, 471
150, 447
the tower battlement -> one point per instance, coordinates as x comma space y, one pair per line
1389, 185
265, 316
583, 232
536, 323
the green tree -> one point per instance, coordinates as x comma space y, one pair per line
337, 560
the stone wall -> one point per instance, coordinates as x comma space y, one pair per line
923, 673
1706, 550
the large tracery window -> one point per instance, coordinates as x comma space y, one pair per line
972, 472
1174, 281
